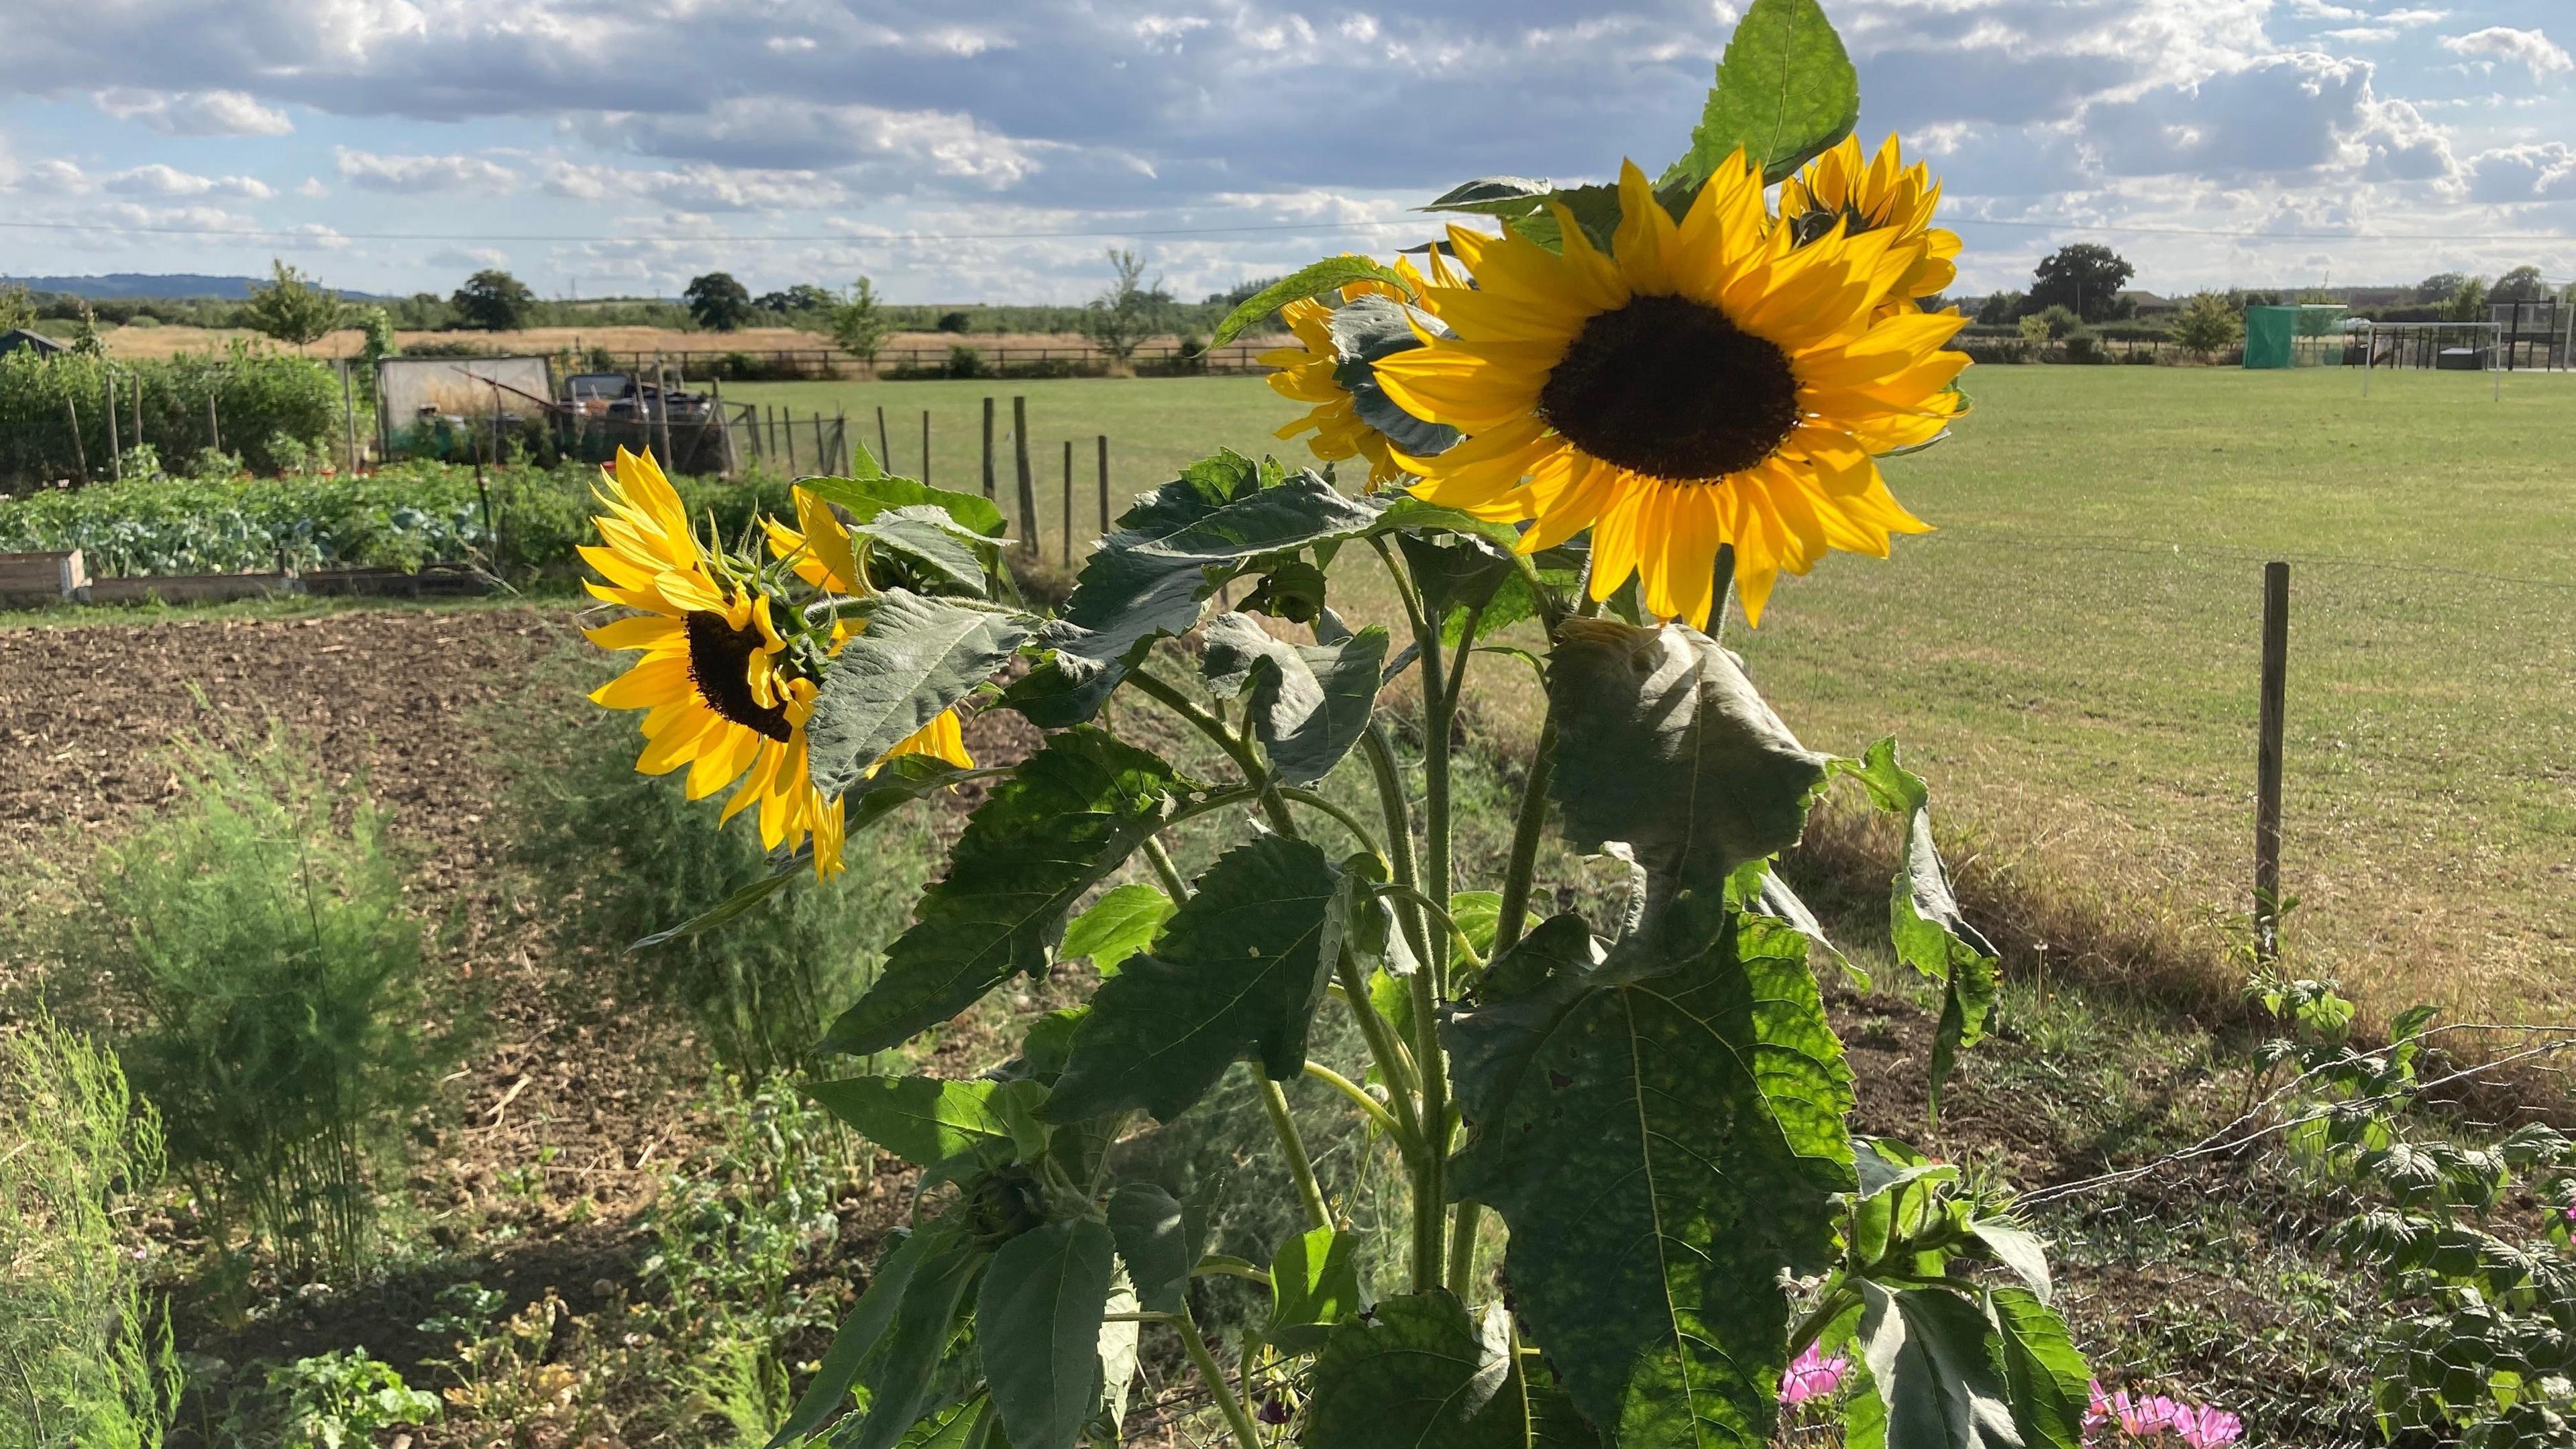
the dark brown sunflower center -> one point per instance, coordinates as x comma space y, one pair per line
720, 667
1673, 389
1811, 226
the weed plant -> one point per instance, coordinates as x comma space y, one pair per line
85, 1355
255, 935
623, 855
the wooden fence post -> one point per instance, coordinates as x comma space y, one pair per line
1104, 485
1027, 480
925, 447
791, 447
988, 447
348, 415
214, 429
2267, 762
885, 445
115, 449
1068, 501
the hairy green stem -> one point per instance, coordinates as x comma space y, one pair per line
1399, 833
1222, 1265
1350, 822
1300, 1166
1463, 1224
1369, 1106
1391, 1063
1213, 1375
1458, 941
1527, 825
1244, 756
1170, 874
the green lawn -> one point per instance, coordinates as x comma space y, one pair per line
2071, 658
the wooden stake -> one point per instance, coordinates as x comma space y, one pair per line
885, 445
1068, 500
925, 446
2267, 762
1027, 479
988, 447
115, 449
1104, 485
348, 415
214, 430
79, 453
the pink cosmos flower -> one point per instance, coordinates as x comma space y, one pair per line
1812, 1376
2152, 1416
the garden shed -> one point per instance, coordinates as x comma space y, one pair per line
36, 342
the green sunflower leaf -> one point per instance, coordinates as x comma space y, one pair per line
1663, 1137
1162, 1240
1310, 702
859, 1334
917, 658
1367, 331
1924, 922
1419, 1373
1503, 196
902, 1372
874, 491
927, 545
1037, 1327
1937, 1370
1663, 743
1238, 972
1595, 209
1785, 93
1064, 820
2045, 1378
1314, 1284
1316, 278
1118, 925
922, 1120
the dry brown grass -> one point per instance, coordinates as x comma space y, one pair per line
141, 343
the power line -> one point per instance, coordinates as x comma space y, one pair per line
2349, 236
902, 238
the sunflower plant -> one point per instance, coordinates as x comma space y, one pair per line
1617, 412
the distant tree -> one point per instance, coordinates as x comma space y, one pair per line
2085, 278
717, 301
17, 307
1999, 309
954, 321
2522, 284
85, 338
859, 321
494, 301
2440, 287
2468, 304
1128, 311
378, 343
802, 297
2059, 323
2207, 325
1241, 292
290, 308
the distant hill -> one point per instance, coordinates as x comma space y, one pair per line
155, 284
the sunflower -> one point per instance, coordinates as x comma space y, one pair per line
719, 690
1882, 194
1313, 372
1708, 382
821, 554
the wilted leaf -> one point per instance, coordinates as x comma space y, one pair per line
1663, 1139
1309, 702
1067, 818
1238, 972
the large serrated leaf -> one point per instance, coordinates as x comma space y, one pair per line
1366, 332
1663, 743
1037, 1326
1785, 93
876, 491
1312, 280
1936, 1369
1162, 1239
1663, 1139
917, 658
902, 1372
2045, 1379
1064, 820
922, 1120
1309, 702
858, 1336
1118, 925
1238, 971
1314, 1284
927, 544
1419, 1373
1924, 921
1504, 196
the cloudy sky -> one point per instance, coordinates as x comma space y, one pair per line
990, 149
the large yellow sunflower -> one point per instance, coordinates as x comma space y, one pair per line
1881, 194
1708, 382
820, 552
1310, 372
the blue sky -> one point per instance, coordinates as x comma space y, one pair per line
978, 149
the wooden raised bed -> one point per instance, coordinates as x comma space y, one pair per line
41, 578
438, 580
187, 588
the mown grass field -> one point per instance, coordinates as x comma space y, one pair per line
2072, 657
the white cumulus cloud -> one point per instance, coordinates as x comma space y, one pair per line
413, 174
2504, 44
194, 113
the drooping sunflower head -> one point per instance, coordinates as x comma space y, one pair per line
1705, 382
1881, 193
1331, 367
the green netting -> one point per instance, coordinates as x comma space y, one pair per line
2270, 334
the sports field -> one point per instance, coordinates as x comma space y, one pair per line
2071, 658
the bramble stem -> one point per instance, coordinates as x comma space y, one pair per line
1300, 1166
1213, 1375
